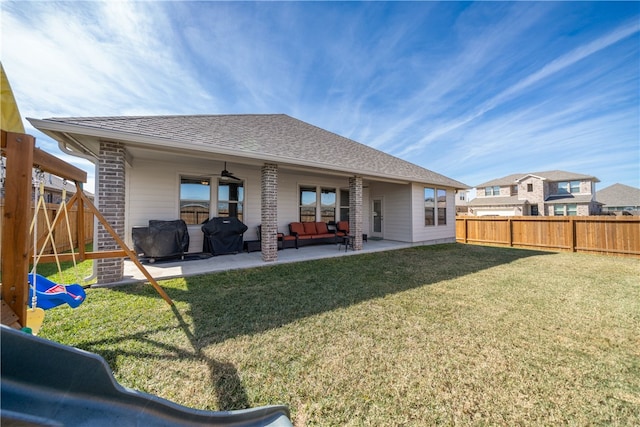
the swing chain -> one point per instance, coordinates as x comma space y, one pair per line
3, 172
38, 179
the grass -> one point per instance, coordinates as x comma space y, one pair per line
448, 334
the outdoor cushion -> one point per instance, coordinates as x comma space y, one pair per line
343, 227
309, 228
322, 236
321, 228
297, 228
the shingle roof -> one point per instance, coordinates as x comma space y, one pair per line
619, 195
569, 198
555, 175
262, 136
504, 181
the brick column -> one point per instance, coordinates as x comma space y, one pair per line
355, 211
111, 203
269, 212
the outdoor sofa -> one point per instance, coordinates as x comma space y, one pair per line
311, 233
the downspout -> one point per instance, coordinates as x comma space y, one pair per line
63, 147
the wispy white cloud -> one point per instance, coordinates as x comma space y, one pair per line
555, 66
468, 90
92, 58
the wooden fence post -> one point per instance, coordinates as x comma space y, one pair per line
466, 231
510, 232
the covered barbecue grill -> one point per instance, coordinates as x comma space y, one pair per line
223, 236
161, 239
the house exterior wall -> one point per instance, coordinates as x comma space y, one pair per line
153, 191
533, 197
432, 233
396, 214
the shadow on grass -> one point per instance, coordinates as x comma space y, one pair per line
244, 302
230, 394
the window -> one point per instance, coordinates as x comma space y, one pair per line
327, 205
231, 199
344, 205
565, 210
568, 187
575, 187
442, 207
195, 197
530, 188
492, 191
429, 206
308, 202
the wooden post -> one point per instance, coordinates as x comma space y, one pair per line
125, 248
466, 232
510, 231
18, 149
572, 233
80, 222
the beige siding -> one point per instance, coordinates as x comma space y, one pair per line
153, 193
396, 199
433, 233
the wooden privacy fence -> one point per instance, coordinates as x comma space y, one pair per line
60, 233
619, 235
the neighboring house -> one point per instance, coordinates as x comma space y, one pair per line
619, 198
267, 170
551, 193
53, 186
463, 197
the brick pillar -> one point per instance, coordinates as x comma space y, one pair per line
269, 216
355, 211
111, 203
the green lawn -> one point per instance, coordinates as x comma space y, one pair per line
447, 334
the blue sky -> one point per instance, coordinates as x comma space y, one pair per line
474, 91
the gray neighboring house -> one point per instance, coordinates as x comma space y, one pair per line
619, 198
550, 193
53, 186
268, 170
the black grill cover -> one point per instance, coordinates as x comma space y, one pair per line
223, 235
162, 239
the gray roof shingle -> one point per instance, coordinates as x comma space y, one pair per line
555, 175
619, 195
264, 136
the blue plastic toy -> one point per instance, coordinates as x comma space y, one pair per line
50, 294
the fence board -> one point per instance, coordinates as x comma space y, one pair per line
618, 235
60, 233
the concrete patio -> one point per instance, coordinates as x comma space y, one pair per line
181, 268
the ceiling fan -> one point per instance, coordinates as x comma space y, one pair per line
226, 174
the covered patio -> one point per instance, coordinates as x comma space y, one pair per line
181, 268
